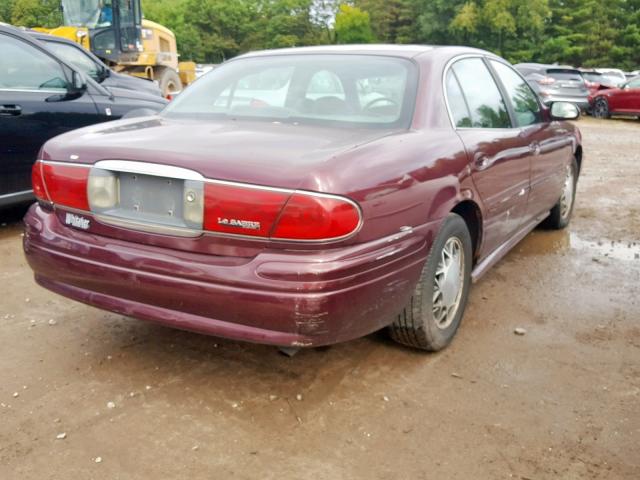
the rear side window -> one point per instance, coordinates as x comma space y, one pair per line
486, 106
524, 101
24, 67
457, 102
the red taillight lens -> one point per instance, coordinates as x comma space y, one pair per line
241, 210
277, 214
546, 80
37, 182
316, 217
66, 185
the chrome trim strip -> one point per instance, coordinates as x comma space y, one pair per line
32, 90
153, 169
16, 194
65, 164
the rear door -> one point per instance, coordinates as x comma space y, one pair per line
498, 153
33, 85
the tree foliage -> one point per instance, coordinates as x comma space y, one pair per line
577, 32
352, 25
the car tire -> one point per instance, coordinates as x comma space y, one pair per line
601, 108
560, 214
169, 82
430, 320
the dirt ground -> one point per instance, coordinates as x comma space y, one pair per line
561, 402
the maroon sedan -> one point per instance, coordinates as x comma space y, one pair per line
307, 196
623, 100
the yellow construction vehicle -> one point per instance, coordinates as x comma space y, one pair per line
115, 31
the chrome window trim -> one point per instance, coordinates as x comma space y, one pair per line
32, 90
161, 170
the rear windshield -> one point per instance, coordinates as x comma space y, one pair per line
592, 77
344, 90
565, 74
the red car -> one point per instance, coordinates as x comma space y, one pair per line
624, 100
307, 196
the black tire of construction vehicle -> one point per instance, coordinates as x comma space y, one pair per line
169, 81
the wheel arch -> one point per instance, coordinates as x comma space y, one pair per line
472, 216
578, 155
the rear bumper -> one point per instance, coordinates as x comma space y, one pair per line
288, 298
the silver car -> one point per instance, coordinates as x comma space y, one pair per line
556, 83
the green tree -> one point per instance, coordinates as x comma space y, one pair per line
6, 10
36, 13
352, 25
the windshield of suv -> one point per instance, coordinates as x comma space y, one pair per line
346, 90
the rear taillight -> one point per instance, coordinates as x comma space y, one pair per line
37, 182
546, 80
61, 184
309, 216
241, 210
278, 214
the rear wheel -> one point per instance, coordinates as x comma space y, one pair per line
601, 108
169, 81
561, 212
431, 318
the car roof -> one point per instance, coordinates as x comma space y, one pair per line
379, 49
50, 38
402, 51
544, 66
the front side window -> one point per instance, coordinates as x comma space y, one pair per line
24, 67
75, 57
486, 106
331, 89
524, 101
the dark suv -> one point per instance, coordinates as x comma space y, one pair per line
555, 83
41, 96
85, 61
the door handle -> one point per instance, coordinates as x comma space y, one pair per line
534, 148
10, 110
481, 161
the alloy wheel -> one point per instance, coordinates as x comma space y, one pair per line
448, 283
566, 200
601, 108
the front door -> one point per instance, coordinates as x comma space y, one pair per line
628, 99
33, 109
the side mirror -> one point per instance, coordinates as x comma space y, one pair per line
564, 111
78, 83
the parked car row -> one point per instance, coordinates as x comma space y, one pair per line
602, 92
49, 86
